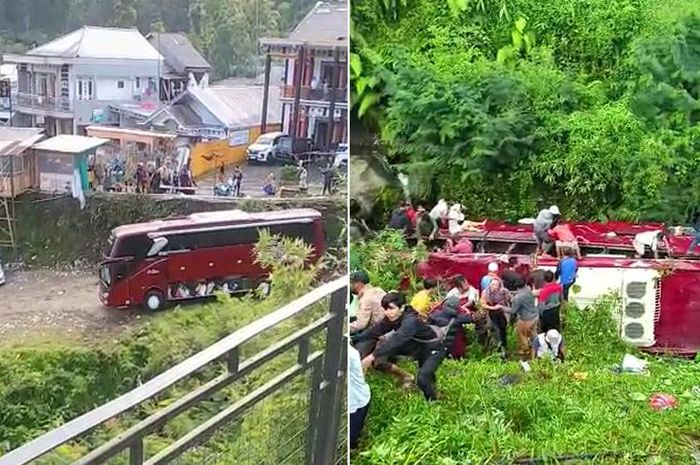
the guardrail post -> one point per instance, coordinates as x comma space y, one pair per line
136, 455
327, 416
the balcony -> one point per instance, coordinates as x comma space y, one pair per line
318, 95
42, 104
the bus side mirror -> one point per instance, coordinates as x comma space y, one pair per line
159, 244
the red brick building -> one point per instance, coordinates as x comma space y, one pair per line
314, 90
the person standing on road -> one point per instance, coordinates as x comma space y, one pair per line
359, 396
237, 180
303, 173
328, 173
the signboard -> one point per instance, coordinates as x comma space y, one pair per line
236, 138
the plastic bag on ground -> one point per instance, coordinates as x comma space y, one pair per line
632, 364
662, 401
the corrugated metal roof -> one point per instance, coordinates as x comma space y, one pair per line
326, 22
99, 42
70, 144
179, 53
14, 141
239, 107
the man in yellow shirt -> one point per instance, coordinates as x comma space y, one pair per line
422, 302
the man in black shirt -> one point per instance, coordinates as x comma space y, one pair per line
412, 337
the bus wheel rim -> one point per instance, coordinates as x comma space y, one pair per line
153, 302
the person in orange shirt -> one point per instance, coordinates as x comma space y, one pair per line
563, 237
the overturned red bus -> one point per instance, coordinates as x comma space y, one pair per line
660, 309
190, 257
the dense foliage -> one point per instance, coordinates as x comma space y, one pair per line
44, 384
510, 105
580, 407
226, 31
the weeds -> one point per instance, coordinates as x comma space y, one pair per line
547, 414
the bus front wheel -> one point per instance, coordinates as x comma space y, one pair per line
154, 301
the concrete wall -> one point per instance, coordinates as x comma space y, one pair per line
79, 236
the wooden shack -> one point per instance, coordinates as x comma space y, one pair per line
58, 158
17, 163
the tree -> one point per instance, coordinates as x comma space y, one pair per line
125, 13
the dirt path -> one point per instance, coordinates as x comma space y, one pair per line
43, 302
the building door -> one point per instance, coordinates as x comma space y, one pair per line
320, 134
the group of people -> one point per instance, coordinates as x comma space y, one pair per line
429, 329
152, 177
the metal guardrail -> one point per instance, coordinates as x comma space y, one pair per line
324, 412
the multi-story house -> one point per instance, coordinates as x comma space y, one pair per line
314, 92
68, 83
183, 63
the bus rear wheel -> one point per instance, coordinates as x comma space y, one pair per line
154, 301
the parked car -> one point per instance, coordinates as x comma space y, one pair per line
340, 161
271, 147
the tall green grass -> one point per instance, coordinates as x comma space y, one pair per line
549, 413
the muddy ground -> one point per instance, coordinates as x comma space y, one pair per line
41, 303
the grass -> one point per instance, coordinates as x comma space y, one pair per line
548, 413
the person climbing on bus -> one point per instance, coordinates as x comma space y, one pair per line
439, 213
412, 337
546, 219
549, 299
494, 299
399, 218
463, 245
566, 272
564, 237
549, 344
422, 302
492, 273
695, 222
649, 240
426, 226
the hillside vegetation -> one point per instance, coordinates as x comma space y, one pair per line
508, 105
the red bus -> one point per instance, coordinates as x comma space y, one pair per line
191, 257
660, 299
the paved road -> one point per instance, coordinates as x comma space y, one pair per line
44, 302
254, 176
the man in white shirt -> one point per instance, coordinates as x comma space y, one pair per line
464, 291
358, 396
649, 239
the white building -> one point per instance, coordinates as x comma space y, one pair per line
67, 84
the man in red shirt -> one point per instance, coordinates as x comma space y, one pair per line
411, 214
549, 300
563, 237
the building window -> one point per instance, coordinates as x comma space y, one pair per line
86, 89
120, 84
17, 165
138, 82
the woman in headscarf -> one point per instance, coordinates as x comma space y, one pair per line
495, 298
